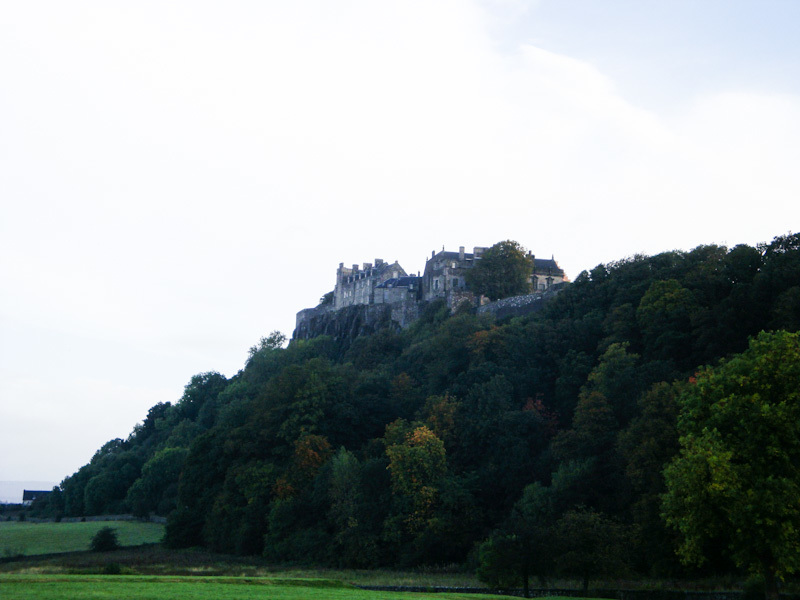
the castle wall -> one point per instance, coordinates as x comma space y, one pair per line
356, 285
445, 273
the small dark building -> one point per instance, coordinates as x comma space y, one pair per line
28, 496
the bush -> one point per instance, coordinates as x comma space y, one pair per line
754, 588
105, 540
112, 569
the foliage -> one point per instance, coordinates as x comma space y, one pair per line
105, 540
736, 480
523, 547
273, 341
591, 545
417, 463
156, 490
503, 270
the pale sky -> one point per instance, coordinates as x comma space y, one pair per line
178, 178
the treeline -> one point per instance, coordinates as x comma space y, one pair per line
460, 438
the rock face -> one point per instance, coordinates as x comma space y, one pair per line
352, 321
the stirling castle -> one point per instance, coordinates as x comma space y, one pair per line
383, 294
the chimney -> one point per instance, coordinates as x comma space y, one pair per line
433, 253
355, 268
367, 266
461, 253
378, 262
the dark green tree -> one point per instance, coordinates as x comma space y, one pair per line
736, 480
104, 540
647, 446
201, 390
157, 488
503, 270
591, 545
522, 548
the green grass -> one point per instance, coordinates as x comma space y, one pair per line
28, 539
122, 587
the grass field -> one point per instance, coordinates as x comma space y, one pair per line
122, 587
28, 539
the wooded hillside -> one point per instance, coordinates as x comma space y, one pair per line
460, 438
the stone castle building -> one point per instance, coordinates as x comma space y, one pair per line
388, 286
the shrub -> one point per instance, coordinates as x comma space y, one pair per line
105, 540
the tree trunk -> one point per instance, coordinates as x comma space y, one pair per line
525, 577
770, 584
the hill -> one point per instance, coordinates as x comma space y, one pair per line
417, 446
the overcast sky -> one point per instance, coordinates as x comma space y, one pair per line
178, 179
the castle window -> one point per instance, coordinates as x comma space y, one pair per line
455, 282
435, 284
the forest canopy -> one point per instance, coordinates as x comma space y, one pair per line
461, 439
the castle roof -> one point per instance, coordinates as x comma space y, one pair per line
546, 265
452, 255
400, 282
541, 266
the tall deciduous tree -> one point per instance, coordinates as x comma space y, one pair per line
590, 545
523, 547
504, 270
736, 480
417, 466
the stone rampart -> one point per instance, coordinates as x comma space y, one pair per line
515, 306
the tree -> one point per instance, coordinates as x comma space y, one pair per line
202, 389
104, 540
275, 340
503, 270
590, 545
523, 547
157, 488
647, 445
417, 465
664, 316
736, 480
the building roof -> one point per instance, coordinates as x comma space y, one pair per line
546, 265
31, 495
447, 255
540, 265
400, 282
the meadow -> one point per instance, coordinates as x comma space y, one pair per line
24, 538
122, 587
